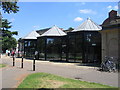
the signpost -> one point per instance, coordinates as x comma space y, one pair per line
93, 44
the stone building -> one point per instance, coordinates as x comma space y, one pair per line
111, 36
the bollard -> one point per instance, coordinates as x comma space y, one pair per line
13, 61
22, 63
34, 64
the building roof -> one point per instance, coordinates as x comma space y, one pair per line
31, 35
69, 30
88, 25
54, 31
41, 31
112, 21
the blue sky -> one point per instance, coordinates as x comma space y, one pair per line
39, 15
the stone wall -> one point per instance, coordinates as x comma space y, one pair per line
110, 43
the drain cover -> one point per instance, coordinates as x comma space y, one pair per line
78, 78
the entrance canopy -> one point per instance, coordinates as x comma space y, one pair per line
88, 25
54, 31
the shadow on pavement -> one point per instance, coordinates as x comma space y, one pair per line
63, 61
89, 64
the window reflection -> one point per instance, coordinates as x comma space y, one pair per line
50, 41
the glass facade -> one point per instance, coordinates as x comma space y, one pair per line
41, 48
84, 46
52, 48
74, 47
29, 48
93, 47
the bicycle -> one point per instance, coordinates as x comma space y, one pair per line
108, 64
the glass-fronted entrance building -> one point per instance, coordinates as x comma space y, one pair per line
51, 44
84, 43
84, 46
30, 44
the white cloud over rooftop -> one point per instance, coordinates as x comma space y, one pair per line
87, 11
112, 7
78, 19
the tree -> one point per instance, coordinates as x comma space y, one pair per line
7, 41
5, 26
10, 7
70, 28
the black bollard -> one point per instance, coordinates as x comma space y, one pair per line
34, 64
13, 61
22, 63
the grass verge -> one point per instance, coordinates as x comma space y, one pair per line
44, 80
2, 65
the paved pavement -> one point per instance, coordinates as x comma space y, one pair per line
13, 76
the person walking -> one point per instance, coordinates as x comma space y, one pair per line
13, 53
6, 53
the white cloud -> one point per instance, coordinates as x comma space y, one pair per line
87, 11
112, 7
36, 27
116, 7
78, 19
109, 7
12, 19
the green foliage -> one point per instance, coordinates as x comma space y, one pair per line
5, 24
70, 28
4, 28
8, 43
9, 7
44, 80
